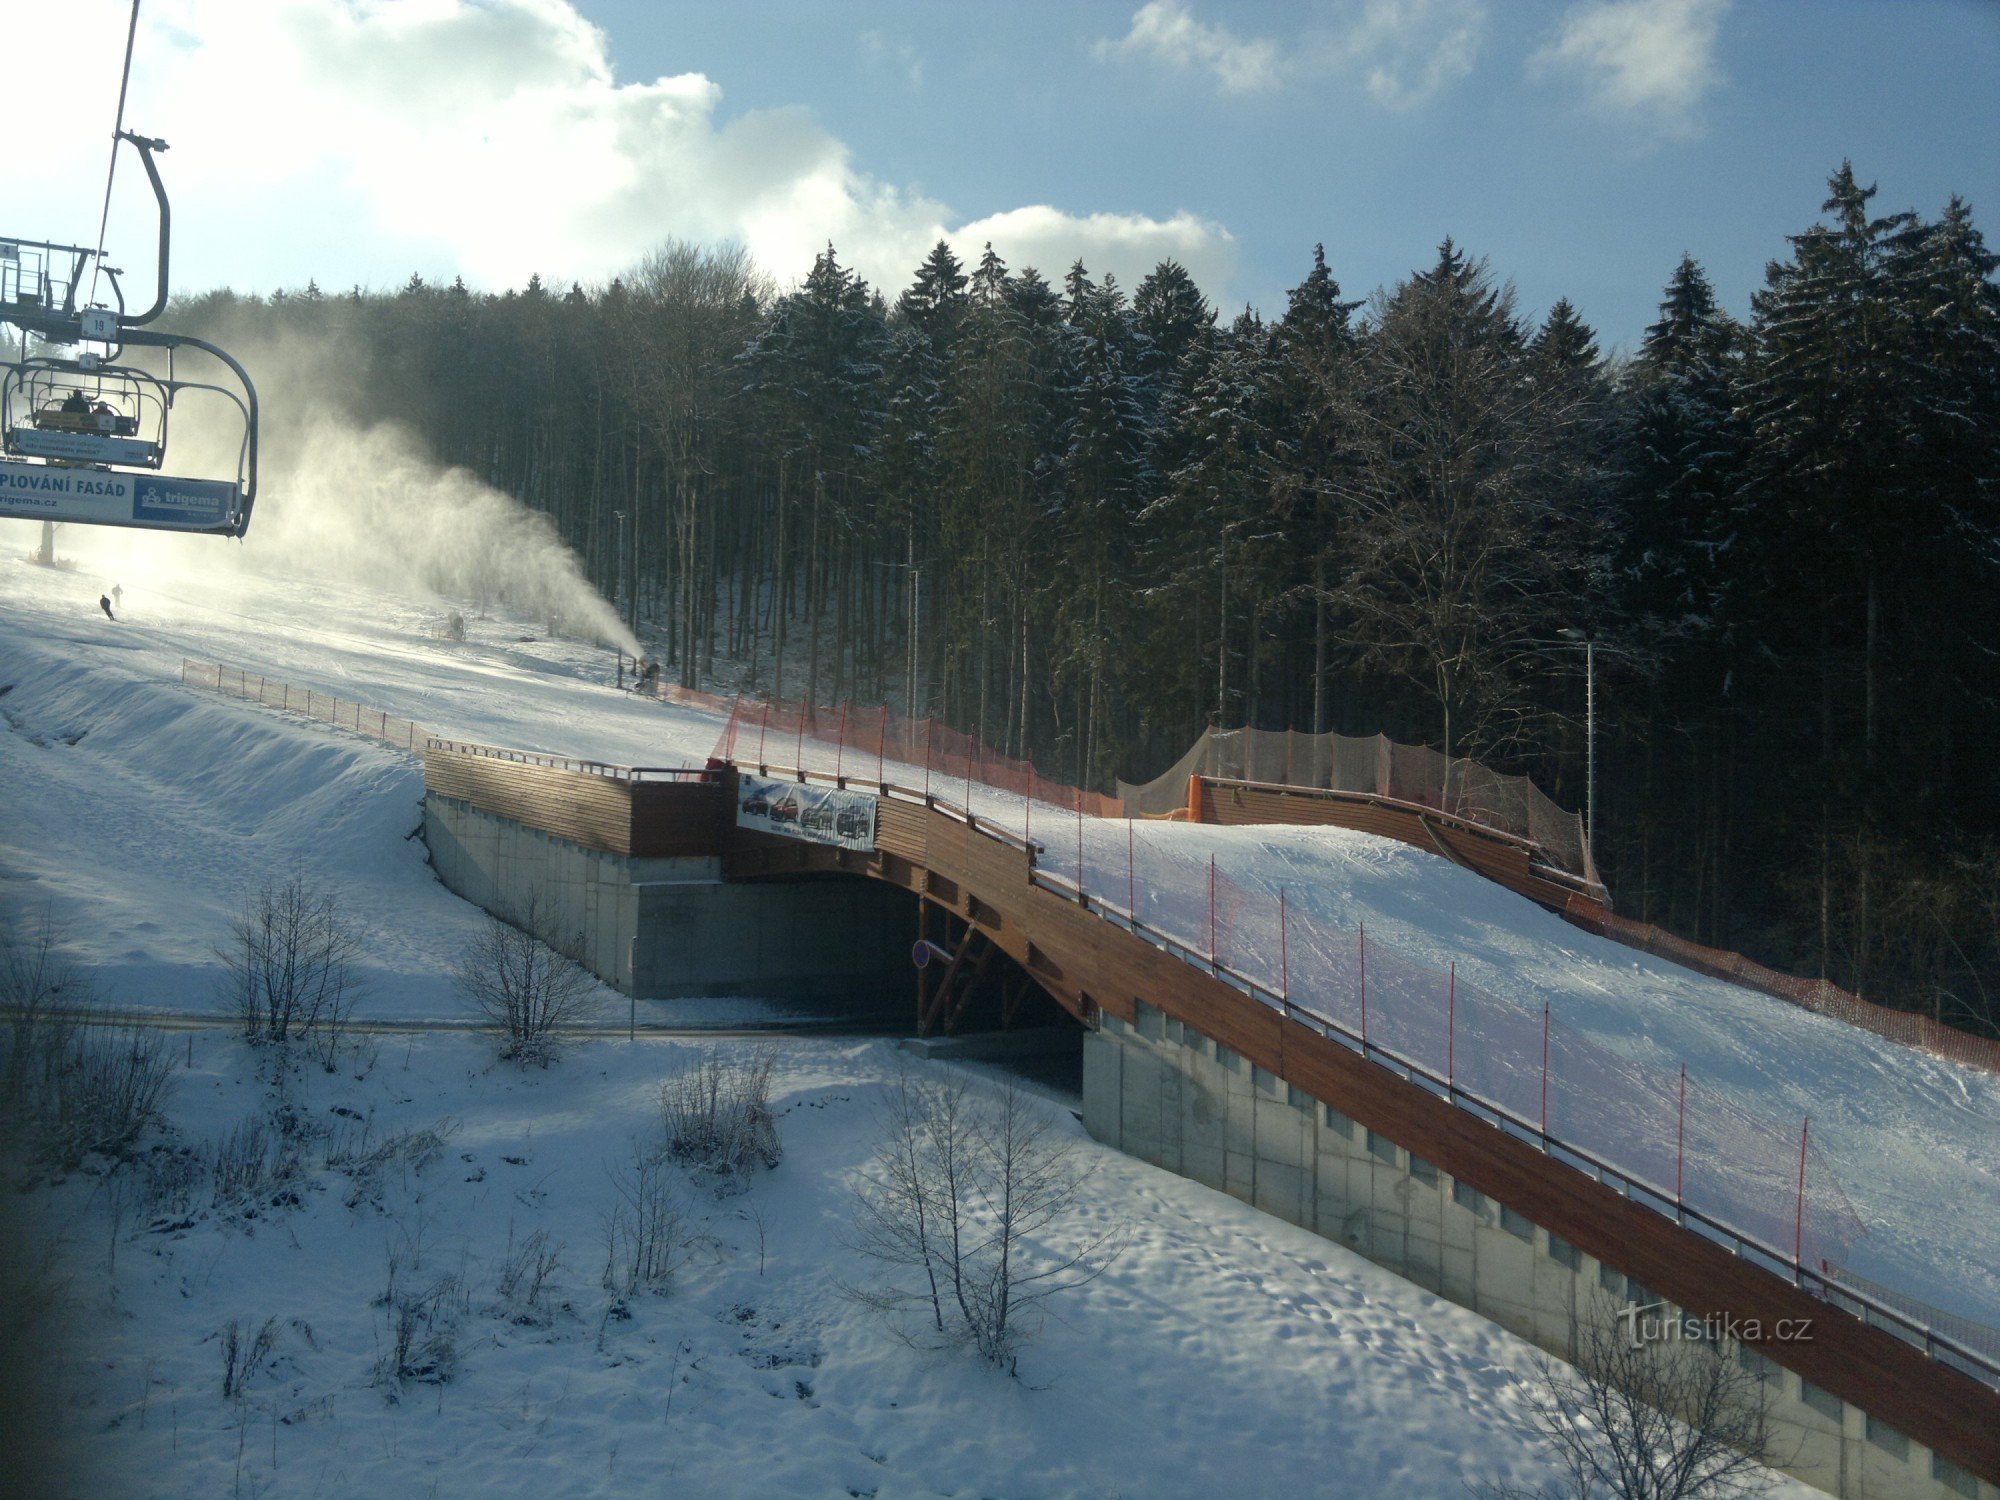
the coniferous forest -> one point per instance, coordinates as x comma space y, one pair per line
1121, 515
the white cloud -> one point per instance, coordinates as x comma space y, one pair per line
1401, 52
1653, 60
1165, 31
882, 51
1412, 50
357, 140
1127, 245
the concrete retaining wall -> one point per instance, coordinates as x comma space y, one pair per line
670, 927
1170, 1096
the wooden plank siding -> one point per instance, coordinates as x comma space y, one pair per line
1499, 857
615, 814
1088, 963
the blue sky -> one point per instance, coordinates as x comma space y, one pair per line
1581, 146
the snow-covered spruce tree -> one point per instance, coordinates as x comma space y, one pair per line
516, 979
1463, 549
971, 1204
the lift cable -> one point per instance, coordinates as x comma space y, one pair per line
111, 173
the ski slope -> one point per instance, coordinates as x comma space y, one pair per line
1222, 1348
171, 803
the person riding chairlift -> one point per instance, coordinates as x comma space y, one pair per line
77, 402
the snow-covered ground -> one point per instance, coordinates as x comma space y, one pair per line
1225, 1343
1223, 1351
147, 830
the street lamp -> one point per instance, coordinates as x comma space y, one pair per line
916, 572
618, 518
1589, 731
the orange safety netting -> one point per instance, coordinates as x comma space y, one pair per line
1681, 1140
1820, 996
1377, 766
878, 744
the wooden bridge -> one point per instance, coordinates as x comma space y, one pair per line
1004, 928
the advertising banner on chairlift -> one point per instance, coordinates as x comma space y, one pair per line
805, 810
96, 497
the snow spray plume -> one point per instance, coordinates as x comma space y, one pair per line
340, 496
366, 503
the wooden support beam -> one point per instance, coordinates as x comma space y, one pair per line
942, 994
969, 985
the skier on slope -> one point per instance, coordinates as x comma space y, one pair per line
104, 603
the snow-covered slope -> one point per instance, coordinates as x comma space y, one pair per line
153, 823
1224, 1351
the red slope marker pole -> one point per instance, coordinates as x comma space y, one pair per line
1284, 953
1364, 986
1545, 1073
1211, 912
1131, 877
1799, 1223
1680, 1143
1451, 1026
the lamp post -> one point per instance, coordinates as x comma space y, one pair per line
916, 572
1589, 732
618, 518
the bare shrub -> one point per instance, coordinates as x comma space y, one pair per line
968, 1201
525, 989
716, 1118
646, 1239
106, 1085
527, 1275
369, 1163
39, 984
241, 1360
170, 1185
291, 964
253, 1164
421, 1344
70, 1084
1640, 1419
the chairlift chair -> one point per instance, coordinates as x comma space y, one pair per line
83, 436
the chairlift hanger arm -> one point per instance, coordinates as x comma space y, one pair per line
173, 341
146, 146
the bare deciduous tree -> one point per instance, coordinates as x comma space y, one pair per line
1646, 1419
646, 1237
970, 1197
291, 965
516, 979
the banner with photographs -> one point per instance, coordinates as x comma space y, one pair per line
806, 810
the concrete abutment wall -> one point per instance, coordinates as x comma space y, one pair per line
668, 927
1168, 1095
